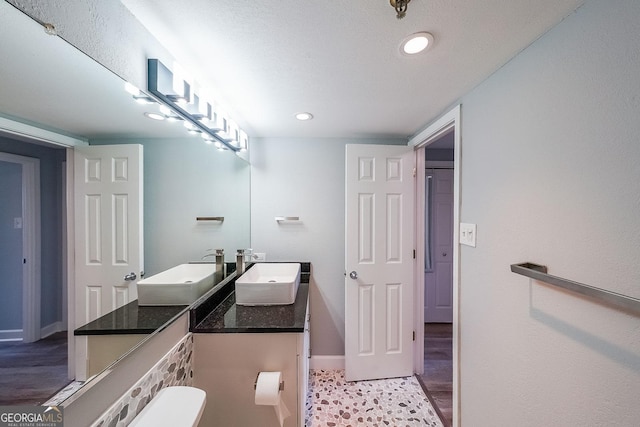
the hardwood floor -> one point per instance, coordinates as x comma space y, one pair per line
31, 373
438, 368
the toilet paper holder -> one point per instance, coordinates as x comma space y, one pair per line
255, 383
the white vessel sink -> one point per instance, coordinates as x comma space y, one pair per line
180, 285
268, 284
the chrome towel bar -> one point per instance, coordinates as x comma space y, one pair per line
539, 272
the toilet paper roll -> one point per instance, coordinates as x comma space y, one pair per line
268, 393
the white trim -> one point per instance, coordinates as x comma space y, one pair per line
444, 124
11, 335
69, 266
23, 130
63, 227
437, 128
52, 329
418, 291
31, 269
326, 362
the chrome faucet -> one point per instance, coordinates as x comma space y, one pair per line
220, 261
219, 254
241, 256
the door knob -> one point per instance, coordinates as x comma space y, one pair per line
353, 275
444, 254
130, 277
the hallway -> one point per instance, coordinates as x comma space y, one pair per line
438, 368
31, 373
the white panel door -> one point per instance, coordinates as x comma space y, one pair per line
438, 280
109, 234
379, 262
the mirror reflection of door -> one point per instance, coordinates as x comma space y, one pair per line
11, 250
32, 311
438, 276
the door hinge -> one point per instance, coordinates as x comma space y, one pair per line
414, 172
414, 254
414, 335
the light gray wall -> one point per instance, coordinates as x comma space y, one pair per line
551, 175
305, 178
10, 246
185, 178
51, 193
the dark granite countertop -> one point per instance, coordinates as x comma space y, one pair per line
135, 319
214, 312
224, 316
131, 319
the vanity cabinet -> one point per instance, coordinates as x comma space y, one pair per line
226, 367
103, 350
234, 343
108, 337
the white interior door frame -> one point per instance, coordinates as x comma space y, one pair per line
450, 120
31, 253
30, 133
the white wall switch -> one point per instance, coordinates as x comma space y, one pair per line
259, 256
468, 234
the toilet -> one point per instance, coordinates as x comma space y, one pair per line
177, 406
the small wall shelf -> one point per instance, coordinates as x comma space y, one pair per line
539, 272
287, 218
210, 218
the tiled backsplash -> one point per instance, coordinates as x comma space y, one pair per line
174, 369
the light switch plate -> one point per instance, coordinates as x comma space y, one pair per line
468, 234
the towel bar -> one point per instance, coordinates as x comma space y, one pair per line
539, 272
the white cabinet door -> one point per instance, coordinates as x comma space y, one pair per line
379, 261
108, 234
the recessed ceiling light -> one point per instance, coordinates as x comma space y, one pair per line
416, 43
155, 116
304, 116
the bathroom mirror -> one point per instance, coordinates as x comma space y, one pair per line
47, 83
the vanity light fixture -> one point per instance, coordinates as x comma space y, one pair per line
155, 116
140, 97
304, 116
178, 103
416, 43
244, 141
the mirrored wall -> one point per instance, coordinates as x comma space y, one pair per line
49, 85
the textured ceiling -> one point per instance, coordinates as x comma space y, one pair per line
267, 60
48, 83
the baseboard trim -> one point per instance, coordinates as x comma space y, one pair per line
326, 362
11, 335
52, 329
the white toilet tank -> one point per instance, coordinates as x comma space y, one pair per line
178, 406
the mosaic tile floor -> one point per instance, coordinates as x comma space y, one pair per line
396, 402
